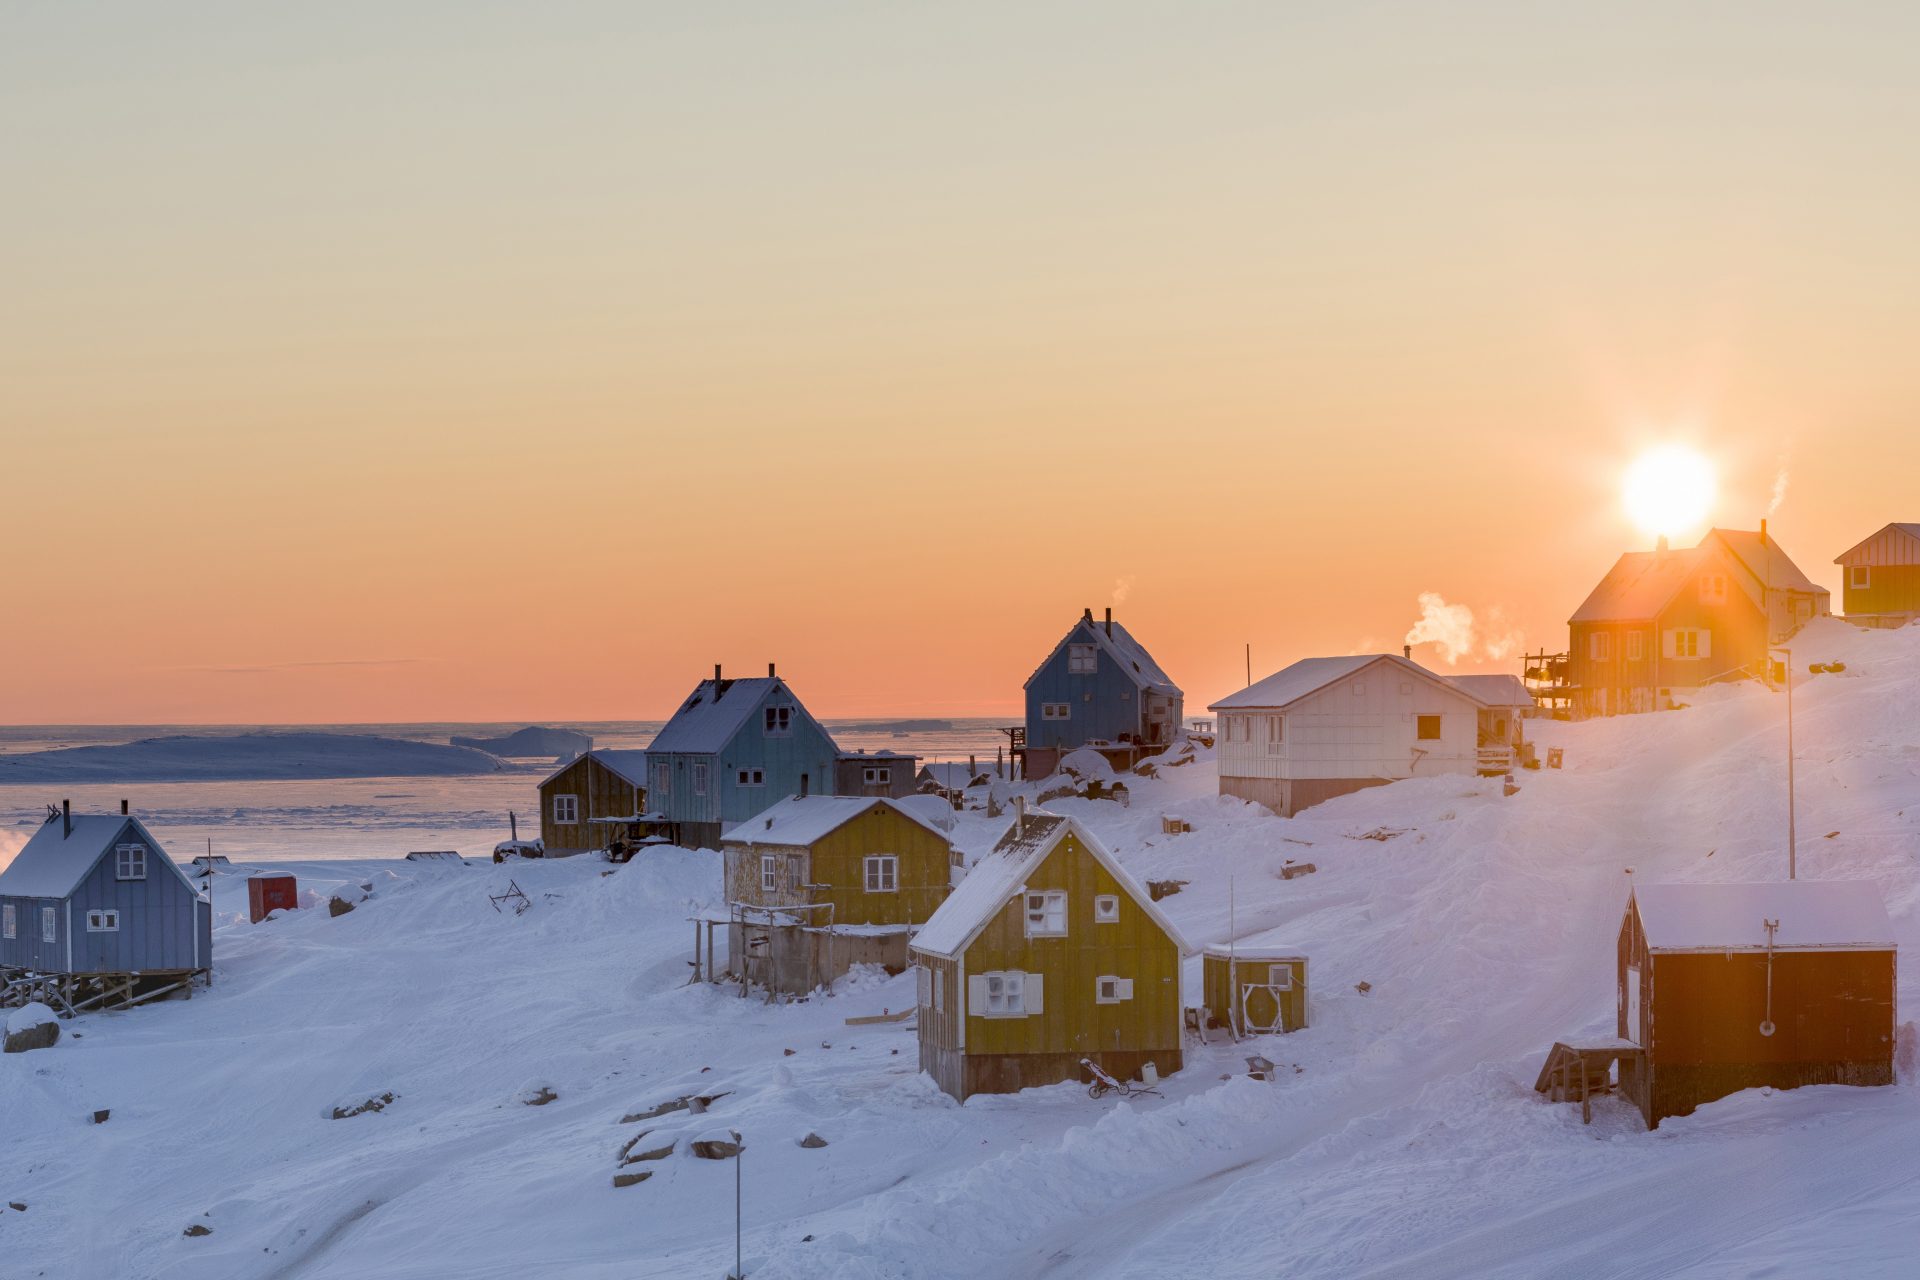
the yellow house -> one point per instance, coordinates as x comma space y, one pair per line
1047, 953
817, 884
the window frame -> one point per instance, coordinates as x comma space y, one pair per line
663, 778
888, 865
103, 920
49, 925
1636, 646
776, 721
9, 921
1420, 721
1052, 908
1686, 643
769, 873
1121, 989
877, 775
130, 861
1713, 588
1083, 659
1056, 711
1859, 577
1600, 646
700, 775
749, 777
569, 806
1012, 994
1280, 977
1106, 908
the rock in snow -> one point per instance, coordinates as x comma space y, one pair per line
32, 1026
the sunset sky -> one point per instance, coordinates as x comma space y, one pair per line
363, 362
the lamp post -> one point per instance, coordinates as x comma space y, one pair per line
1793, 846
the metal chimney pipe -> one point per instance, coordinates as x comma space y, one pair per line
1406, 651
1109, 620
66, 818
1020, 815
1763, 531
716, 673
123, 808
771, 673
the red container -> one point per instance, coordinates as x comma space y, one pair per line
270, 893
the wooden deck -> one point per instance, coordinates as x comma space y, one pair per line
1578, 1071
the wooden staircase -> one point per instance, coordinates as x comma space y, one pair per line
1580, 1071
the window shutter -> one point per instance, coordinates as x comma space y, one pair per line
1706, 643
976, 994
1036, 990
1126, 988
1668, 644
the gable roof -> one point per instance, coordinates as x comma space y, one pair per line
1131, 656
1310, 675
1905, 530
715, 711
629, 764
52, 864
1001, 874
1638, 586
801, 820
1813, 915
1764, 558
1495, 691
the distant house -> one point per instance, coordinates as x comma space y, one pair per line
1325, 727
1663, 623
874, 773
95, 900
1048, 952
951, 775
731, 749
817, 884
1882, 583
1716, 1001
1099, 687
593, 802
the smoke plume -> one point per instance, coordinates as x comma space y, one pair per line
1122, 588
1453, 629
1779, 487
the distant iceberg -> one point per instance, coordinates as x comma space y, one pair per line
534, 740
247, 757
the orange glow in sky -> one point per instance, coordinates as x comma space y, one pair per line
520, 363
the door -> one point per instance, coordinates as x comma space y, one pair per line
1633, 1003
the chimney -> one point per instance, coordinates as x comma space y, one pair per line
771, 673
123, 808
1086, 614
1406, 651
1020, 815
1109, 620
66, 818
716, 673
1763, 531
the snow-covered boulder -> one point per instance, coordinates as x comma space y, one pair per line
32, 1026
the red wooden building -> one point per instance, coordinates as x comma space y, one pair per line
1882, 586
270, 892
1727, 987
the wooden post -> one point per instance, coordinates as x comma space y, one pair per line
696, 951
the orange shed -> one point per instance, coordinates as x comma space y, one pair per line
269, 893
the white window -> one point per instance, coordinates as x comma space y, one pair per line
1713, 588
939, 990
49, 925
699, 777
130, 862
1047, 914
662, 780
7, 922
769, 872
923, 986
1083, 659
883, 873
1006, 995
1280, 977
1106, 908
1859, 576
1689, 642
1636, 646
103, 922
751, 777
1426, 728
878, 777
1056, 710
1112, 990
1276, 729
778, 721
1600, 646
566, 810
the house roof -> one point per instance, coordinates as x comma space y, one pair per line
801, 820
993, 881
1495, 691
1766, 561
1910, 530
1310, 675
1813, 915
1638, 586
1129, 653
628, 763
714, 712
52, 864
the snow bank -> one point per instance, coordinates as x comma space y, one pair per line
29, 1016
246, 757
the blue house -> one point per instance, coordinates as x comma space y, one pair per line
96, 901
732, 749
1099, 688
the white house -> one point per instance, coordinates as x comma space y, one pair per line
1324, 727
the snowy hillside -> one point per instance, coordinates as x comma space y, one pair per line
1402, 1139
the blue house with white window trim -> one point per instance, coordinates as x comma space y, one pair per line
97, 895
1099, 687
733, 748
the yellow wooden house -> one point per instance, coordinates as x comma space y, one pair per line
1046, 954
817, 884
594, 802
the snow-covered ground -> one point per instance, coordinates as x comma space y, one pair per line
1402, 1139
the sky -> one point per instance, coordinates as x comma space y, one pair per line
382, 363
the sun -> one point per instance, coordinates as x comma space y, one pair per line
1669, 490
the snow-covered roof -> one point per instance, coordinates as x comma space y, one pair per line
1765, 560
1813, 915
629, 763
1253, 951
1495, 691
1310, 675
1906, 529
1638, 586
52, 864
714, 712
993, 881
1129, 653
801, 820
954, 774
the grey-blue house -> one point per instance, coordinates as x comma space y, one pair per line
733, 748
96, 895
1099, 687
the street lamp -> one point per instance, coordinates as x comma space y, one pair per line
1792, 843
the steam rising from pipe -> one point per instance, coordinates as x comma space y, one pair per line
1453, 628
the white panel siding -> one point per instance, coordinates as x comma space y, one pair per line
1336, 733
